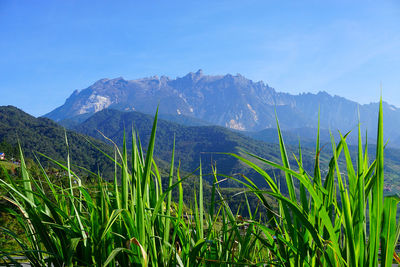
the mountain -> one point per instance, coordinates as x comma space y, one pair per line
231, 101
226, 100
47, 137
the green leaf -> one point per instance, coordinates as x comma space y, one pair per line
388, 233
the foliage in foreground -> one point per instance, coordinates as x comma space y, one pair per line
131, 223
342, 219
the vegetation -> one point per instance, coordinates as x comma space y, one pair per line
134, 223
203, 143
45, 136
192, 143
337, 219
328, 224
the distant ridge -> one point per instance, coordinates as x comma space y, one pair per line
231, 101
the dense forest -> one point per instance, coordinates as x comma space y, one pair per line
48, 138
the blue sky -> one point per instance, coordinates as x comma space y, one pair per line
50, 48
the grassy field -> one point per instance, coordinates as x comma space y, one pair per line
335, 218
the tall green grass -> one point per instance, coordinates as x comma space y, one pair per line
132, 221
341, 219
328, 224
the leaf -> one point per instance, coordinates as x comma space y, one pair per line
388, 233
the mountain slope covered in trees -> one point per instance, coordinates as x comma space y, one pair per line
193, 143
47, 137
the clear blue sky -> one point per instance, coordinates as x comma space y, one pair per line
50, 48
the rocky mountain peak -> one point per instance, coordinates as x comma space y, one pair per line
228, 100
194, 76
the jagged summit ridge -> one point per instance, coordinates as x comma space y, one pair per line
194, 94
228, 100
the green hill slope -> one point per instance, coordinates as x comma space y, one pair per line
45, 136
192, 143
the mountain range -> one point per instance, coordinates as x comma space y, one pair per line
205, 115
232, 101
201, 111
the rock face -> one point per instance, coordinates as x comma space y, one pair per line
231, 101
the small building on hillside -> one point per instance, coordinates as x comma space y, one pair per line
2, 156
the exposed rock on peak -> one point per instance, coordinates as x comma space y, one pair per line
226, 100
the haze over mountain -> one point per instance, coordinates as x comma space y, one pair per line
227, 100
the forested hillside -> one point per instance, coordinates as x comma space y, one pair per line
192, 143
45, 136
